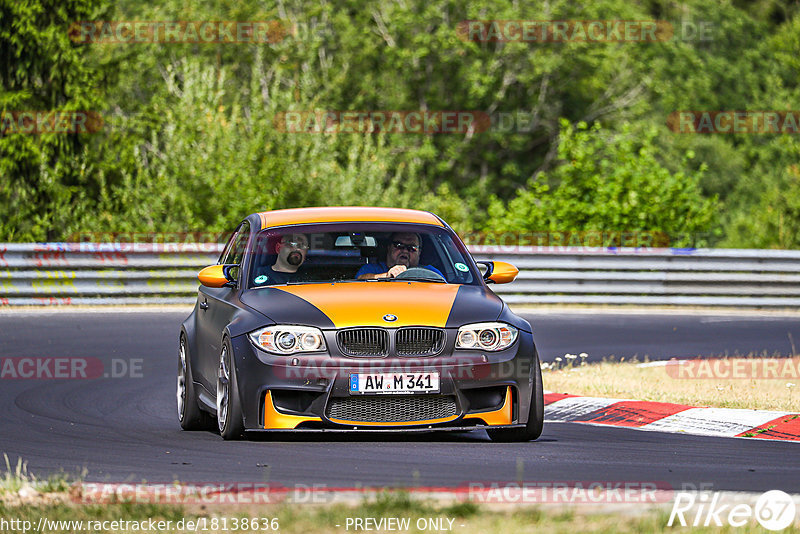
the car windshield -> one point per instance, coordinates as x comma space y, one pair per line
359, 252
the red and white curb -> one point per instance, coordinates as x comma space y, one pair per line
676, 418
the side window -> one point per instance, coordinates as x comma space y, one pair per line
226, 252
240, 244
234, 250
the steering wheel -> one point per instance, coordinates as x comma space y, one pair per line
420, 273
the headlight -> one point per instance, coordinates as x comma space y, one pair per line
486, 336
287, 339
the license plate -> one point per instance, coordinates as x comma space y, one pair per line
361, 383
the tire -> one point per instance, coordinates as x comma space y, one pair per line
229, 407
533, 429
190, 416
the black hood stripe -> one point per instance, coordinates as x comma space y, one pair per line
285, 308
474, 304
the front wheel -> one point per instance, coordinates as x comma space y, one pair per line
229, 407
190, 416
533, 429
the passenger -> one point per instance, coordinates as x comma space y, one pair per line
402, 253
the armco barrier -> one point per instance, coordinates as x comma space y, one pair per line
647, 276
100, 273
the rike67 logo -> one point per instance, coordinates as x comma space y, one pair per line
774, 510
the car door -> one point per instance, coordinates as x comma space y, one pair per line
215, 309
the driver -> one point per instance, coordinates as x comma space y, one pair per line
292, 250
402, 253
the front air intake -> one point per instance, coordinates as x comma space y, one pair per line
392, 409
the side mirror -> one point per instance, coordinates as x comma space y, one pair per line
499, 272
219, 275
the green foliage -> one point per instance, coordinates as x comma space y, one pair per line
44, 179
191, 142
773, 218
210, 162
608, 182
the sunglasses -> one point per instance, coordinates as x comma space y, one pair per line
295, 244
400, 246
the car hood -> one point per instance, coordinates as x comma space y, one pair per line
342, 305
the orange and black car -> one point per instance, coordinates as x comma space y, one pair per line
355, 318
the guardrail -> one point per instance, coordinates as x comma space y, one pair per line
672, 277
100, 273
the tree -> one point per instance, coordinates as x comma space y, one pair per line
608, 182
45, 180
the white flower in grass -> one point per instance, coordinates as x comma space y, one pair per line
570, 356
790, 384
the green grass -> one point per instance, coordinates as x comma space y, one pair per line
625, 379
16, 477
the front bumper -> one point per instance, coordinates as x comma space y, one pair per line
478, 389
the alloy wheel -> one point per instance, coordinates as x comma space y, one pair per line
223, 388
181, 386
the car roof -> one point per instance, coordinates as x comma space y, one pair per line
271, 219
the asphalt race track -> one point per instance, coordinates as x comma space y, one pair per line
663, 336
125, 429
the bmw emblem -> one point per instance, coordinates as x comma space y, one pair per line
389, 318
